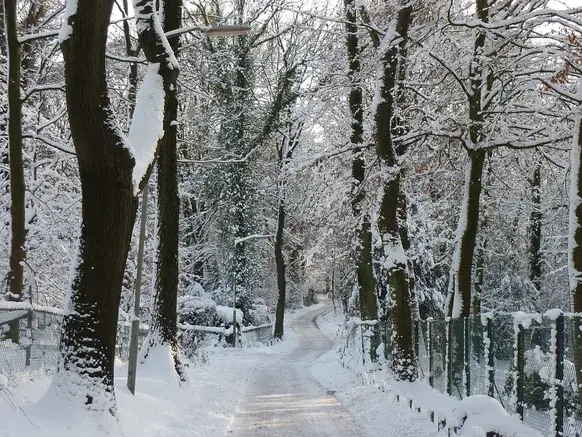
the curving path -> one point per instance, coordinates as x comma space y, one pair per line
283, 400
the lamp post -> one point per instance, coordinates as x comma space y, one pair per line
211, 31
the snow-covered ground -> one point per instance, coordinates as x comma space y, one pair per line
204, 407
297, 387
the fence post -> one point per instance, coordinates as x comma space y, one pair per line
520, 371
29, 318
417, 341
467, 358
490, 359
429, 351
559, 377
449, 356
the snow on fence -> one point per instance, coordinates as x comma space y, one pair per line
37, 351
525, 361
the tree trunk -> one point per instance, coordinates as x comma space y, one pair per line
280, 263
164, 331
109, 204
17, 186
363, 252
575, 244
462, 263
108, 212
394, 258
535, 231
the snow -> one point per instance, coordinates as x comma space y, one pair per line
526, 319
553, 314
226, 313
205, 406
3, 381
479, 414
261, 391
147, 125
66, 29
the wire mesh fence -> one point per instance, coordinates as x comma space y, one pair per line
526, 361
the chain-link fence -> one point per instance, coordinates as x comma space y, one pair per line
525, 361
39, 333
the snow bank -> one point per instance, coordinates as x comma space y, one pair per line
477, 415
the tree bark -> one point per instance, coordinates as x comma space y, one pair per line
108, 213
280, 265
535, 230
461, 267
164, 330
363, 251
17, 184
575, 243
285, 154
394, 258
109, 203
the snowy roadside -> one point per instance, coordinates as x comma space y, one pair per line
377, 401
372, 408
203, 407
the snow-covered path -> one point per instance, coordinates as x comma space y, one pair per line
284, 400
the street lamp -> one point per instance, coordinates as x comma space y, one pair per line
211, 31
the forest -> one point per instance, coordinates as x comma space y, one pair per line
182, 163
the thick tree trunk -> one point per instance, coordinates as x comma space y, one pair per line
535, 230
363, 252
108, 213
280, 265
575, 244
164, 329
394, 258
109, 205
17, 186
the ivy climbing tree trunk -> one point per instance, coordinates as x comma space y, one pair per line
535, 229
17, 185
575, 240
394, 259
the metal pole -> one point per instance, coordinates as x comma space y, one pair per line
234, 309
559, 376
133, 344
430, 352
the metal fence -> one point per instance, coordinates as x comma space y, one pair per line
526, 362
37, 351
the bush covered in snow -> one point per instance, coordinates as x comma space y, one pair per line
259, 313
198, 308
